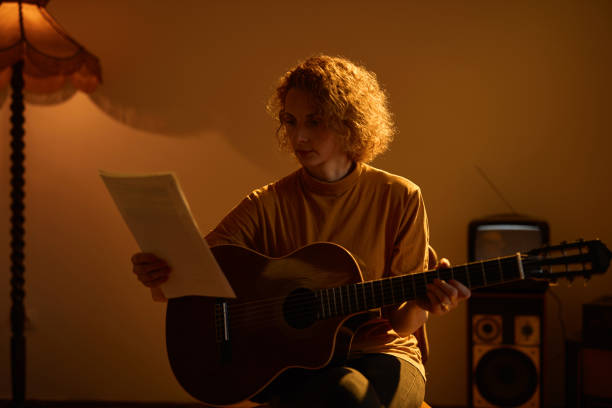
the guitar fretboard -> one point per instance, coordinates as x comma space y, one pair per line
359, 297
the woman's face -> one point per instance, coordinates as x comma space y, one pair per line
315, 145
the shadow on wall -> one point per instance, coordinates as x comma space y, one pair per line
167, 70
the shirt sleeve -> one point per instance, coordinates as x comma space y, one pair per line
411, 247
238, 227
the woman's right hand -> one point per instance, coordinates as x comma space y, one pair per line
149, 269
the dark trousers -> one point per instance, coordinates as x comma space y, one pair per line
374, 380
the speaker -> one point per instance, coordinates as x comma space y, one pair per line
505, 349
596, 353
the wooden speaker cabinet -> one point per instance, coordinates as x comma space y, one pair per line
505, 349
596, 353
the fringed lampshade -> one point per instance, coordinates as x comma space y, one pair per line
51, 58
37, 55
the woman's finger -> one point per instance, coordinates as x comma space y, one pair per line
156, 282
444, 263
462, 291
449, 290
146, 268
440, 296
148, 276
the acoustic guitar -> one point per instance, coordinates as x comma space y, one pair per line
301, 310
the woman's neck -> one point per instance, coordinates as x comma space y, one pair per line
331, 173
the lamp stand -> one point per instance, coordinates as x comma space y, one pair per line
18, 346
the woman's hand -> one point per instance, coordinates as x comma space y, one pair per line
443, 296
149, 269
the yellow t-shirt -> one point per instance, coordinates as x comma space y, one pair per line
377, 216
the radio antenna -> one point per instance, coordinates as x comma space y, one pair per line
483, 174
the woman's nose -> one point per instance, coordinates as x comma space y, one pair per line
302, 134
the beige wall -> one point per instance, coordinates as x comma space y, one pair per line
520, 89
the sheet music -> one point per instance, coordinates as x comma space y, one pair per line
156, 212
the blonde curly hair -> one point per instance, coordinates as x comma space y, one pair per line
349, 99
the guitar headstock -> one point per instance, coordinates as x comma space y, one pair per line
567, 260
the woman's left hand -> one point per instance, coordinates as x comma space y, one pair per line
443, 296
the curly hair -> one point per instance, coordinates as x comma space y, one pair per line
349, 99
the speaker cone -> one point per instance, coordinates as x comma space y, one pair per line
506, 377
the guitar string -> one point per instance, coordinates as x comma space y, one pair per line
298, 315
241, 312
244, 323
250, 307
253, 306
458, 270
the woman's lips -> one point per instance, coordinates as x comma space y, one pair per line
304, 152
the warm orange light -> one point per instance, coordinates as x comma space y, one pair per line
51, 58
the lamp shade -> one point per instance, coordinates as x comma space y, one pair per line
51, 58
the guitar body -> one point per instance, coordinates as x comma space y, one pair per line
263, 340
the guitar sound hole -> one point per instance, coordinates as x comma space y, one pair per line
299, 309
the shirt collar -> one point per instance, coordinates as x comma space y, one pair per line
334, 188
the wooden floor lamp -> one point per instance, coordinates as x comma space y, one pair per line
37, 56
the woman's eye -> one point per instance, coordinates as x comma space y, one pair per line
287, 121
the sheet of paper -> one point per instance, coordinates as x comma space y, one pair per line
156, 212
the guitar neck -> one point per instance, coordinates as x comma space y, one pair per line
363, 296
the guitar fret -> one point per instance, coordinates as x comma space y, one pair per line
501, 270
356, 297
387, 292
322, 295
406, 287
349, 307
349, 304
365, 301
346, 301
373, 294
410, 285
467, 277
328, 302
334, 302
419, 286
476, 272
402, 286
484, 275
322, 304
459, 276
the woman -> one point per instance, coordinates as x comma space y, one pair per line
333, 117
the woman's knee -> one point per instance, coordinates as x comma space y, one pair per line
353, 389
